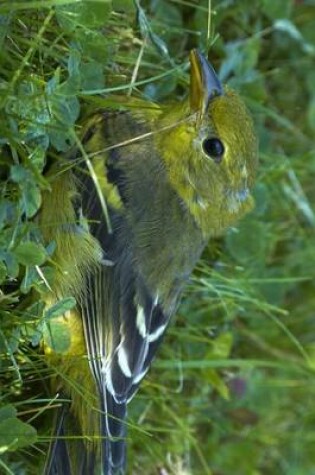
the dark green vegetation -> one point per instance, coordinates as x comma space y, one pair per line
233, 388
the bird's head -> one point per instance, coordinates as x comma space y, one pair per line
211, 153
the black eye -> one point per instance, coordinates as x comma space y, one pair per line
214, 148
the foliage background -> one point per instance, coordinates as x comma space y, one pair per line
232, 391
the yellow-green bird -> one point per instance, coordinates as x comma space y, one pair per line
171, 177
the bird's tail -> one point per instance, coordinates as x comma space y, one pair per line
58, 459
113, 430
72, 452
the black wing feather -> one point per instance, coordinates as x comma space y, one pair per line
123, 322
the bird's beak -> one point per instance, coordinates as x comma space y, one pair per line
204, 83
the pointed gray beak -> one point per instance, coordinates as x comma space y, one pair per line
204, 83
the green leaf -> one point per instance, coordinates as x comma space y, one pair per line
311, 114
30, 253
222, 346
147, 32
261, 197
34, 311
288, 27
19, 174
157, 92
217, 382
7, 411
242, 58
49, 277
87, 13
4, 211
38, 156
278, 9
94, 46
59, 308
92, 76
248, 243
57, 336
31, 330
65, 110
124, 5
31, 198
30, 192
74, 61
35, 337
12, 264
50, 248
15, 434
14, 340
5, 21
29, 279
3, 272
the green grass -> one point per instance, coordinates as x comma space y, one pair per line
232, 390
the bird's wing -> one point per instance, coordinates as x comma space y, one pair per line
123, 321
123, 326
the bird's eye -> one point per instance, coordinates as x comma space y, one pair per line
214, 148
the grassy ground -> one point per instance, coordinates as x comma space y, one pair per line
232, 391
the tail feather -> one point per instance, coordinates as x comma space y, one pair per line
69, 453
113, 429
58, 459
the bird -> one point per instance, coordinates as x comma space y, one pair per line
130, 211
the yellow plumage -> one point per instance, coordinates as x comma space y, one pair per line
171, 178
